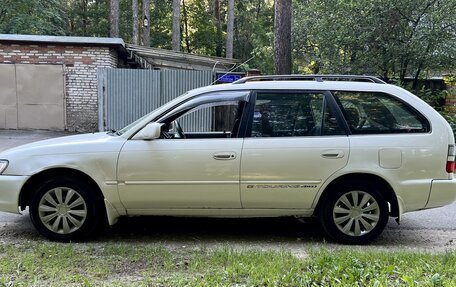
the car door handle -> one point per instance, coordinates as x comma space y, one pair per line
224, 155
333, 154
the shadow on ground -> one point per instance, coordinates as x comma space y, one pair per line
215, 230
261, 233
149, 229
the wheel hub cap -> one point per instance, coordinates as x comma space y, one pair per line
62, 210
356, 213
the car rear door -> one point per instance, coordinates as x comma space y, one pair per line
295, 141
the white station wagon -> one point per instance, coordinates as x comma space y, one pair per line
350, 150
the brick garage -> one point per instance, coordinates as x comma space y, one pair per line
79, 58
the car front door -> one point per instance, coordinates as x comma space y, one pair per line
296, 143
193, 165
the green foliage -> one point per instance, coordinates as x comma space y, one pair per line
388, 38
254, 33
253, 30
88, 18
202, 40
160, 24
36, 17
137, 264
437, 100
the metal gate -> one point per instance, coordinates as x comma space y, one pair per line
125, 95
32, 97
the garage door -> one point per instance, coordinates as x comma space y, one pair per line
32, 97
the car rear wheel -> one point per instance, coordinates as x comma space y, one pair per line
354, 214
65, 209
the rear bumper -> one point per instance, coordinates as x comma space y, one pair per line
10, 188
443, 192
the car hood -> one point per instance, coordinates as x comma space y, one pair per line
84, 143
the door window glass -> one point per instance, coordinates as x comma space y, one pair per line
293, 115
208, 120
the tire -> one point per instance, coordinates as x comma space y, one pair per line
65, 209
349, 222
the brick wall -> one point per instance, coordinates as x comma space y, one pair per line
80, 66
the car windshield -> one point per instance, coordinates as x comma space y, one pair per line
151, 114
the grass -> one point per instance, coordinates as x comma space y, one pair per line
121, 264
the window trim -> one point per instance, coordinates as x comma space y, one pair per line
217, 97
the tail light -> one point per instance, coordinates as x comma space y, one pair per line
450, 165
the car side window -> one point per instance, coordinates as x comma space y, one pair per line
293, 115
378, 113
211, 120
211, 115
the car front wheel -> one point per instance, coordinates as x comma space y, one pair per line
354, 214
64, 209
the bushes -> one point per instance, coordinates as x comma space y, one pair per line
438, 99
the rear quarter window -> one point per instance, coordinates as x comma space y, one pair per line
379, 113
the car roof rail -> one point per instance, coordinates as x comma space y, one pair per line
318, 78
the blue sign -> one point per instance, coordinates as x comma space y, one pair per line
228, 78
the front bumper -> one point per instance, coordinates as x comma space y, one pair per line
10, 188
443, 192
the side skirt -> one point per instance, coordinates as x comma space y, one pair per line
222, 212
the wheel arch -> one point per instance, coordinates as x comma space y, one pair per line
385, 188
28, 188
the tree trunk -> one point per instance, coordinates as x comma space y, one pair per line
258, 9
230, 30
146, 29
415, 85
85, 21
403, 72
210, 7
282, 37
134, 7
176, 25
187, 38
218, 26
114, 18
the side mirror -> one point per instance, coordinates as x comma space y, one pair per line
149, 132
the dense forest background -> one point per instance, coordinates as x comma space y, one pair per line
389, 38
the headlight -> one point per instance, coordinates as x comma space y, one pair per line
3, 165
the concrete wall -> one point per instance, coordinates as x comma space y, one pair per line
80, 65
